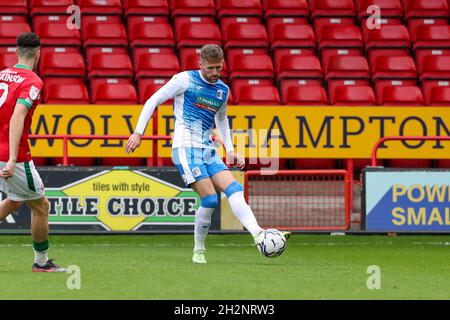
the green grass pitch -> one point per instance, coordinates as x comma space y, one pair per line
159, 267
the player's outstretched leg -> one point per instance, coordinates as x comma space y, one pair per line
39, 232
201, 227
225, 181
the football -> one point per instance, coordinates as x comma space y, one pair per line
273, 243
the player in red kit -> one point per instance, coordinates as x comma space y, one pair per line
20, 89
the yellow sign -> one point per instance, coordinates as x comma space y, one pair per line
262, 131
121, 200
87, 120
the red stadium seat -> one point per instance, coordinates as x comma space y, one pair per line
12, 18
286, 8
340, 37
62, 64
91, 51
104, 7
321, 23
10, 30
134, 22
145, 7
104, 34
110, 65
376, 53
282, 52
389, 8
327, 53
435, 67
432, 37
428, 85
193, 8
225, 22
7, 60
305, 96
148, 86
381, 84
233, 52
353, 96
275, 21
394, 68
251, 66
288, 83
88, 20
49, 7
292, 36
415, 24
239, 83
402, 96
439, 96
347, 67
426, 9
152, 34
179, 22
198, 34
53, 31
14, 7
332, 84
299, 67
245, 36
138, 51
257, 95
239, 8
66, 94
114, 94
156, 65
332, 8
389, 36
96, 82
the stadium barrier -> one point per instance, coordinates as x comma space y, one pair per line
314, 200
405, 200
65, 138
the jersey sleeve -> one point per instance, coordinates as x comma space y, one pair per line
30, 92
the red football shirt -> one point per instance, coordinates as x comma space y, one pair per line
18, 84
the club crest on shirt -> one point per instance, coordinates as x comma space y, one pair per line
34, 93
220, 94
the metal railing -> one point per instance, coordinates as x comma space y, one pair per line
404, 138
65, 138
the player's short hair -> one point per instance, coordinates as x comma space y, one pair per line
211, 53
28, 44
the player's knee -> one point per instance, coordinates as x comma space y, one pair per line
210, 201
233, 188
42, 209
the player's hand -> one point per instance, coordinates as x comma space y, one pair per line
8, 170
133, 142
236, 160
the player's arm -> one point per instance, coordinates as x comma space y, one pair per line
223, 127
174, 87
15, 133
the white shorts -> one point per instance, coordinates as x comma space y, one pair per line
24, 185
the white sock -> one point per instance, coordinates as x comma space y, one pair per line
244, 213
40, 257
201, 227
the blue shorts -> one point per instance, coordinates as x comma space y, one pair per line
195, 164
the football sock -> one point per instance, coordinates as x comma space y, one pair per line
40, 252
201, 227
244, 213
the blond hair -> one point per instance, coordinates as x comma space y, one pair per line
211, 53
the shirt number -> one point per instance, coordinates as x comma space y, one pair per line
4, 87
